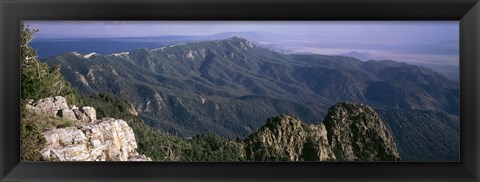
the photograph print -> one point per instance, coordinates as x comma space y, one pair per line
240, 91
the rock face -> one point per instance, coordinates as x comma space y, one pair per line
286, 138
90, 114
356, 133
316, 147
107, 139
104, 140
67, 114
350, 132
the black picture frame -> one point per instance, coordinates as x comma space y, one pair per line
465, 11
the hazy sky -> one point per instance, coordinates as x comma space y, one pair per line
428, 41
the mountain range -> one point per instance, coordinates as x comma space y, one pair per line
48, 47
450, 71
230, 87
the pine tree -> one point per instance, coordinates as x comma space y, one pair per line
31, 138
38, 80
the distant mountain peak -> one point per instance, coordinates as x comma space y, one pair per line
363, 56
242, 42
76, 53
254, 36
120, 54
235, 38
238, 33
86, 56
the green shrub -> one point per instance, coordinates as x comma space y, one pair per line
63, 123
32, 140
211, 147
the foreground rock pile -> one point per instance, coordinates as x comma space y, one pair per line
107, 139
103, 140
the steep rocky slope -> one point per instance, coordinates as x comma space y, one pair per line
90, 139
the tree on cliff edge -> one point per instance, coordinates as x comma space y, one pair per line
38, 80
31, 138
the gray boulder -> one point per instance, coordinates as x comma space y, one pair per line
67, 114
89, 113
48, 105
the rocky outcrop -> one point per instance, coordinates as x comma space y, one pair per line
107, 139
350, 132
50, 106
58, 107
356, 133
286, 138
104, 140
